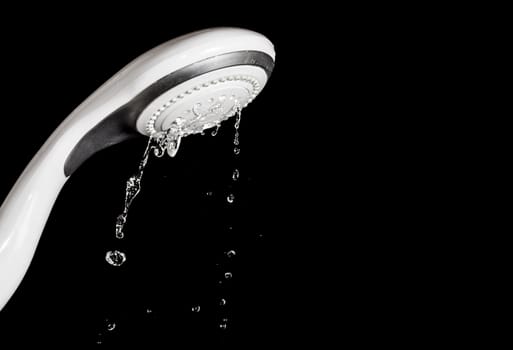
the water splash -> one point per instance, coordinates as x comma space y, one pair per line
115, 257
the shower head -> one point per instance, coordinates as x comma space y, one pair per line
188, 84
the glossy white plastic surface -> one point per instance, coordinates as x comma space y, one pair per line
25, 211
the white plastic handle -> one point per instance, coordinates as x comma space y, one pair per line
25, 211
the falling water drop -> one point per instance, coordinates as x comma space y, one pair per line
230, 198
115, 257
235, 175
111, 326
209, 194
149, 311
236, 150
196, 308
222, 302
228, 275
230, 253
133, 186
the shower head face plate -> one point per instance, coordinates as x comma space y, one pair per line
204, 101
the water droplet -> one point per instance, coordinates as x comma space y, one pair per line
174, 145
196, 308
216, 130
120, 223
120, 220
99, 341
224, 324
158, 152
111, 326
236, 139
235, 175
222, 302
228, 275
236, 150
149, 311
230, 253
209, 193
230, 198
115, 257
237, 120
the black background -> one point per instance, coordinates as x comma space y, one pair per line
175, 235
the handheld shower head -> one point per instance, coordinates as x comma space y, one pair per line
190, 84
